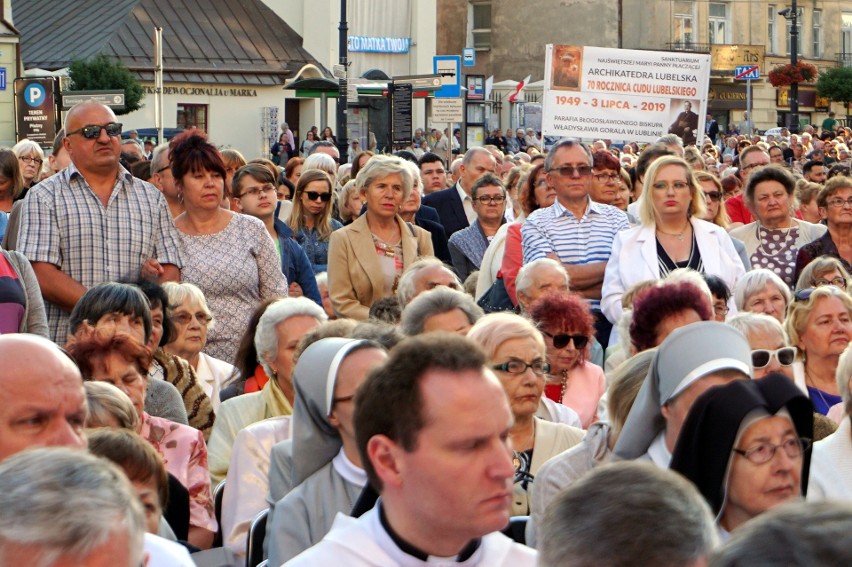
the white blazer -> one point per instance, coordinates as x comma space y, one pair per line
634, 259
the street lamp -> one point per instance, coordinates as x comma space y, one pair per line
343, 47
792, 14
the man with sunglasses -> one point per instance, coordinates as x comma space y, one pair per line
575, 230
94, 222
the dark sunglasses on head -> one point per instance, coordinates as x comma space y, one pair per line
93, 131
785, 356
803, 294
313, 196
561, 341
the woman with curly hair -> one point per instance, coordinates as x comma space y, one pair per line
659, 310
229, 256
568, 327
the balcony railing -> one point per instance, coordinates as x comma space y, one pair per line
844, 59
689, 46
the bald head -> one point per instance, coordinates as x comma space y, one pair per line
96, 156
42, 401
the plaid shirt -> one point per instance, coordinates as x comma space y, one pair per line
64, 223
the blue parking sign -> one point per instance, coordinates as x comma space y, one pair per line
2, 78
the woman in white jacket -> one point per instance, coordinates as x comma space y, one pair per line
671, 236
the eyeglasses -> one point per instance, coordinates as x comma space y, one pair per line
485, 199
539, 367
839, 203
836, 282
541, 183
676, 185
93, 131
764, 452
785, 356
162, 169
606, 177
561, 341
184, 318
29, 159
255, 191
571, 171
720, 309
752, 166
714, 196
313, 196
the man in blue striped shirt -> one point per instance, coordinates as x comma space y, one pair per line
574, 230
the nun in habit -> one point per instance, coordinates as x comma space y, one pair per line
326, 473
691, 360
745, 446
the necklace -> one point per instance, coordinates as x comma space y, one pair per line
679, 235
384, 248
782, 246
818, 391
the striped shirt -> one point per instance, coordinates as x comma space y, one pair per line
586, 240
64, 223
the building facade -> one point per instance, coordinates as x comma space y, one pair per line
509, 39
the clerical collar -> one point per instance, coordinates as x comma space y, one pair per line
406, 547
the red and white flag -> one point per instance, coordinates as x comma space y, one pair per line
519, 89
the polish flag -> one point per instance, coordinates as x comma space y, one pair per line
519, 89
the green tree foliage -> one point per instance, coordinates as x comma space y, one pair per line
103, 73
836, 84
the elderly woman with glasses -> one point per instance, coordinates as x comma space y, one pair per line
835, 206
31, 158
311, 217
192, 318
824, 270
745, 446
369, 255
671, 236
819, 324
775, 238
516, 353
568, 327
468, 245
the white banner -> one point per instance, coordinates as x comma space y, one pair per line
624, 94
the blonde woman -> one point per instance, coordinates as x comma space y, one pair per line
311, 220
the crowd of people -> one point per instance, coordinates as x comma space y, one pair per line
567, 356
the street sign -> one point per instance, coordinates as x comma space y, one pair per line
469, 57
2, 78
112, 99
338, 71
420, 82
400, 107
447, 111
747, 72
448, 66
35, 111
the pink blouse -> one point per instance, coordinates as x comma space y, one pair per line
584, 388
185, 455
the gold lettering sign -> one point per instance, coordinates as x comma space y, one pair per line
727, 57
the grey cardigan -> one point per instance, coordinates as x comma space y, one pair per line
35, 319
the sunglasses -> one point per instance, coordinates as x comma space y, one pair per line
313, 196
714, 196
785, 356
561, 341
91, 132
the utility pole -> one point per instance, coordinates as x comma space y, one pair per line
793, 15
343, 48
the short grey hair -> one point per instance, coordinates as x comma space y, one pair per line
639, 513
407, 282
435, 302
180, 292
795, 534
65, 503
756, 280
105, 401
565, 143
322, 162
670, 140
841, 376
159, 156
322, 279
26, 147
487, 180
524, 279
266, 335
747, 323
380, 167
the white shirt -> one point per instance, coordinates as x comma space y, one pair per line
467, 203
164, 553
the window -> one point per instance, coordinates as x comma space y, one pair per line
479, 18
846, 34
684, 18
798, 36
817, 32
718, 22
771, 30
192, 116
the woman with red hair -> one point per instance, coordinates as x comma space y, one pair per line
568, 327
